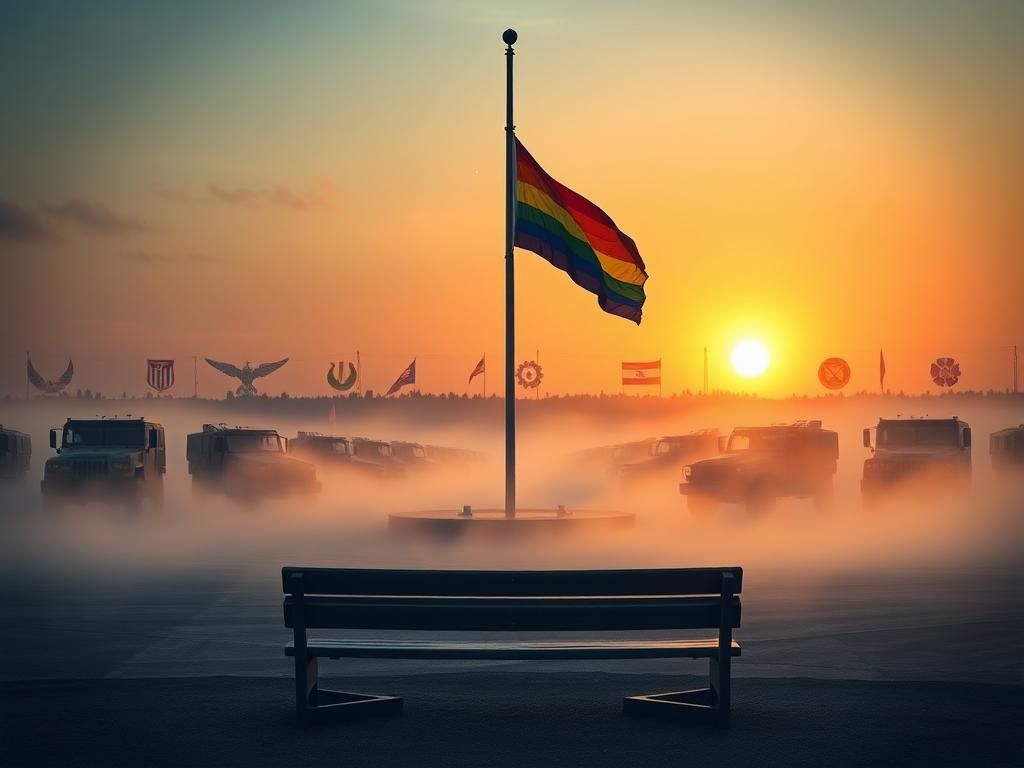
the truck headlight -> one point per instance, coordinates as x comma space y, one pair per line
687, 472
56, 468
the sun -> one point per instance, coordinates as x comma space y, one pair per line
750, 358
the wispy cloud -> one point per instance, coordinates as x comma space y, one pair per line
97, 219
151, 257
21, 225
318, 195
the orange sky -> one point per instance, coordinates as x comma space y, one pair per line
311, 183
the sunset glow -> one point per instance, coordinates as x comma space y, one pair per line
750, 358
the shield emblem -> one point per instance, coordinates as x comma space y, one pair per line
160, 374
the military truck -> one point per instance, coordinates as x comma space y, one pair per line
412, 456
1006, 449
122, 459
608, 457
379, 452
759, 465
334, 452
667, 454
245, 462
905, 450
15, 453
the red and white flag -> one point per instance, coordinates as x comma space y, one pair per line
634, 374
480, 368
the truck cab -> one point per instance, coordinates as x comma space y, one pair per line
668, 454
15, 453
333, 451
245, 462
105, 458
1006, 449
937, 451
758, 465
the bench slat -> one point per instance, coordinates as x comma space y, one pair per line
434, 649
523, 614
592, 583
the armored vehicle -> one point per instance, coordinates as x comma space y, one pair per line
667, 454
245, 462
412, 456
608, 457
121, 458
1006, 447
761, 464
910, 449
335, 452
15, 453
378, 452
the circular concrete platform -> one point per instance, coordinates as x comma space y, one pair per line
448, 524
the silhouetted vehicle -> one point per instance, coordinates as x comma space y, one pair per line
121, 459
1006, 448
667, 454
935, 450
378, 452
334, 452
608, 457
452, 456
762, 464
245, 462
15, 453
412, 455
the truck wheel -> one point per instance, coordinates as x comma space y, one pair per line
761, 498
701, 506
824, 495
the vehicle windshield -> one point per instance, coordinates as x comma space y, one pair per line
341, 446
769, 440
132, 435
908, 434
254, 442
663, 447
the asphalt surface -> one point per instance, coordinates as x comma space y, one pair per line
509, 719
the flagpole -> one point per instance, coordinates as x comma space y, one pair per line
509, 37
485, 375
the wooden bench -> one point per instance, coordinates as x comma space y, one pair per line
514, 601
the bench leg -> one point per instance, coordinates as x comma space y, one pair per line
707, 705
315, 704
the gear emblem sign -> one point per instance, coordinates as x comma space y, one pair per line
529, 374
945, 371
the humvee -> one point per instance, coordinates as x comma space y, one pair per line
333, 451
412, 455
1006, 448
906, 449
123, 458
761, 464
244, 461
667, 453
15, 453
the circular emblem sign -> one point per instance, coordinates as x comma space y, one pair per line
834, 373
945, 371
529, 374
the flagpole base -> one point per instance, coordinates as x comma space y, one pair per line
492, 523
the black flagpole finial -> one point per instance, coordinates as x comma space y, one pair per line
509, 36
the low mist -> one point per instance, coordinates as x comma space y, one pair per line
346, 523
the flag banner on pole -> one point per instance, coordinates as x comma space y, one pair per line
881, 370
480, 367
160, 374
634, 374
408, 376
579, 238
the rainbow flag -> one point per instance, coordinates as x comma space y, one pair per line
579, 238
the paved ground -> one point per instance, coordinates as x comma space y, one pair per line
520, 718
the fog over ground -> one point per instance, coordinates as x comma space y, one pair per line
345, 524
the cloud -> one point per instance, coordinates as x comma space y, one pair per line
150, 257
23, 226
97, 219
319, 195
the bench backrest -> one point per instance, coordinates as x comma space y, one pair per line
668, 598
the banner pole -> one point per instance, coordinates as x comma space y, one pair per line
509, 37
